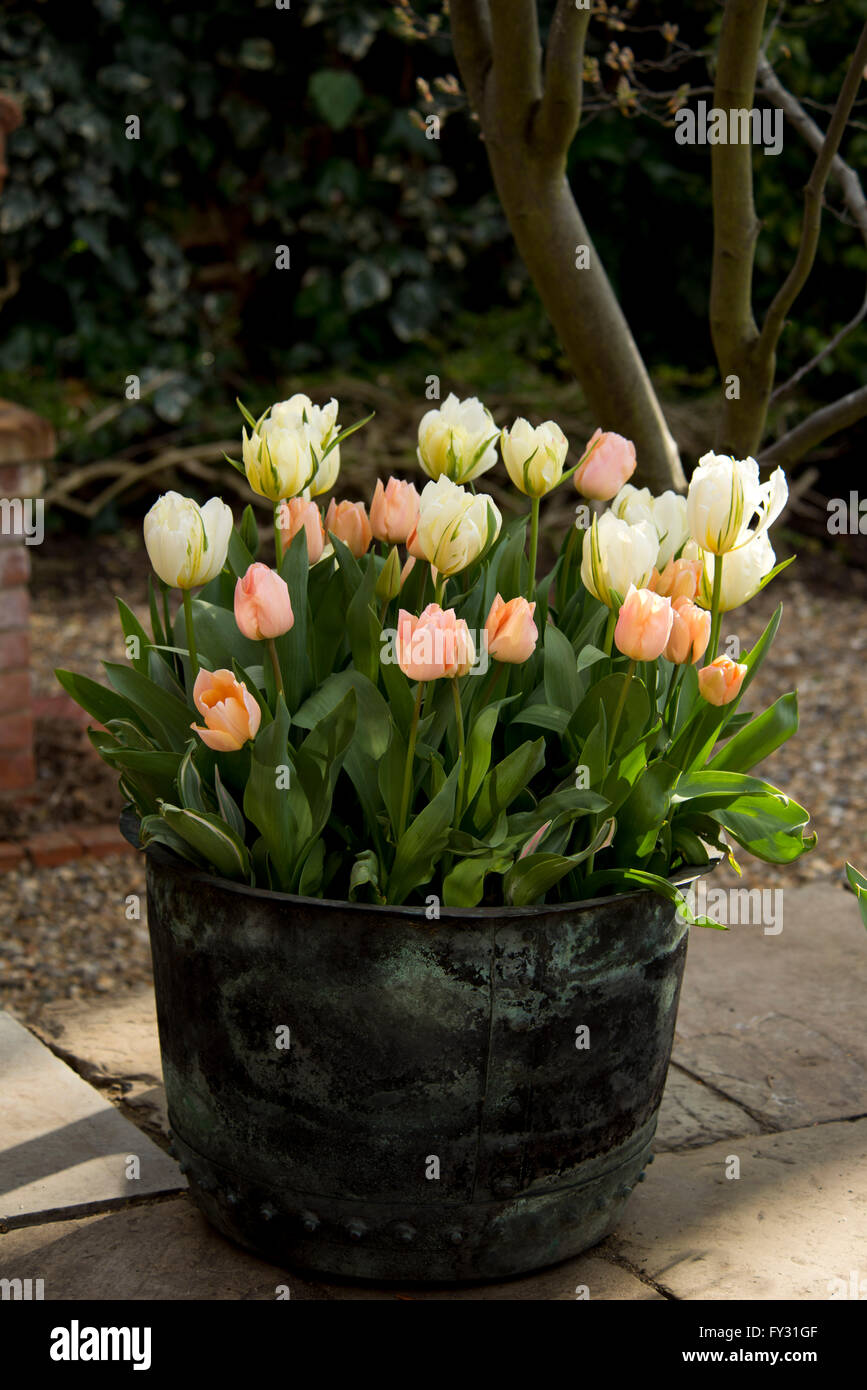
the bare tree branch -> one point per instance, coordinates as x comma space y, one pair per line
853, 196
516, 77
471, 39
812, 221
818, 426
560, 112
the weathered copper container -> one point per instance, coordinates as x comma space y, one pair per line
436, 1115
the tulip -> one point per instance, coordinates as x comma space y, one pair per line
453, 527
643, 625
186, 543
512, 634
348, 522
720, 682
263, 608
742, 573
609, 460
534, 458
300, 512
434, 646
617, 555
457, 440
679, 579
666, 513
393, 511
724, 496
284, 455
230, 712
690, 633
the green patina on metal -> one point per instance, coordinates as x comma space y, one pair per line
416, 1048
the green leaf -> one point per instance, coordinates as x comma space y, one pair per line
640, 818
132, 628
365, 873
760, 737
265, 804
562, 685
167, 717
478, 750
249, 531
212, 838
218, 639
373, 729
336, 95
310, 878
607, 692
190, 786
100, 703
541, 716
858, 884
229, 809
624, 879
292, 647
503, 783
153, 829
464, 885
422, 842
530, 878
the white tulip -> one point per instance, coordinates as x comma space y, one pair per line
666, 513
186, 543
457, 440
454, 526
285, 455
616, 555
724, 496
743, 570
534, 458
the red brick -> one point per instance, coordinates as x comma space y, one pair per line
14, 566
54, 847
14, 691
17, 770
23, 435
11, 855
14, 609
16, 731
100, 840
14, 650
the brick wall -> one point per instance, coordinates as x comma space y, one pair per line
25, 441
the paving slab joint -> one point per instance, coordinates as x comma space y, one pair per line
612, 1257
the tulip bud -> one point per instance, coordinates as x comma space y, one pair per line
643, 625
262, 605
230, 712
534, 458
454, 526
186, 543
390, 580
720, 682
433, 646
512, 634
300, 512
348, 522
285, 454
393, 511
457, 441
690, 633
609, 460
679, 579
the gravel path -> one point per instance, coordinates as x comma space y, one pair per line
65, 933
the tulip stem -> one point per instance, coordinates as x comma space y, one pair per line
609, 631
278, 539
534, 544
459, 721
716, 616
440, 588
487, 692
612, 734
410, 759
278, 675
191, 640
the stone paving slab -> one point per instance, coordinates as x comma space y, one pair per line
167, 1250
692, 1114
793, 1222
63, 1147
778, 1022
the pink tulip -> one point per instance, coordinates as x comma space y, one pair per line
433, 646
230, 713
512, 634
720, 682
298, 512
348, 522
610, 462
679, 579
262, 604
690, 633
394, 511
643, 624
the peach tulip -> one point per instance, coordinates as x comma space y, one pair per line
679, 579
348, 522
300, 512
433, 646
609, 462
512, 634
262, 604
230, 712
643, 624
394, 511
690, 633
721, 681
